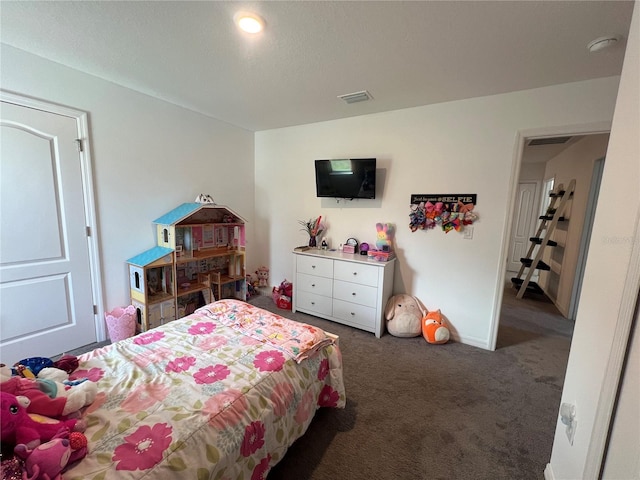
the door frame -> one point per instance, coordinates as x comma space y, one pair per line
81, 119
521, 137
585, 238
614, 356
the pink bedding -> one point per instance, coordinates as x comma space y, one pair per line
219, 394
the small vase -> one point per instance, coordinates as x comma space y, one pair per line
312, 242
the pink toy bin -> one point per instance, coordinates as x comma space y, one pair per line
121, 323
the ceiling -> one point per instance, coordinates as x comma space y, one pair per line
543, 153
405, 53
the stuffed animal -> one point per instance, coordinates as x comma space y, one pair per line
283, 294
263, 276
204, 198
384, 235
48, 460
78, 394
17, 426
39, 401
434, 328
50, 394
404, 314
30, 367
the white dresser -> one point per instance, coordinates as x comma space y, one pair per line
343, 287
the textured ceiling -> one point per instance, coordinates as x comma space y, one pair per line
404, 53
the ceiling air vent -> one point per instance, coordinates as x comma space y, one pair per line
356, 97
548, 141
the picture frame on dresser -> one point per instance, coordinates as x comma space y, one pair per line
337, 286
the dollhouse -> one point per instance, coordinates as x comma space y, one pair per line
199, 257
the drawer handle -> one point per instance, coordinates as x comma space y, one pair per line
313, 303
354, 294
353, 314
313, 284
355, 273
313, 266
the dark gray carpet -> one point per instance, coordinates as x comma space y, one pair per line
420, 411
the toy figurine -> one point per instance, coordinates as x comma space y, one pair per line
263, 276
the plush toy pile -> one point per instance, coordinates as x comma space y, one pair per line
41, 417
407, 317
283, 294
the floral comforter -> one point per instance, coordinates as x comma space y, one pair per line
219, 394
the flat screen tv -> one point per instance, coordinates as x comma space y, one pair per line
346, 178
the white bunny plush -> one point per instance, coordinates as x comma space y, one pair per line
404, 315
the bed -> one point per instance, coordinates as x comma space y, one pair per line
219, 394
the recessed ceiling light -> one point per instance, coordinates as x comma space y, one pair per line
249, 22
603, 43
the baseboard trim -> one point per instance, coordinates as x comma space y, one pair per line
548, 473
474, 342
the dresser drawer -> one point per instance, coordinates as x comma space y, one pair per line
352, 313
313, 303
357, 273
314, 284
355, 293
322, 267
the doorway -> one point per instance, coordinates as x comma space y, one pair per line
50, 291
561, 159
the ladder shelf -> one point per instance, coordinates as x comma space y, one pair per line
541, 239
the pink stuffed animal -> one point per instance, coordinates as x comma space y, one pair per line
39, 402
49, 460
50, 395
17, 426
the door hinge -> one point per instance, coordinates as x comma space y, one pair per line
79, 144
88, 231
95, 309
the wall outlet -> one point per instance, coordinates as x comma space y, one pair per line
468, 233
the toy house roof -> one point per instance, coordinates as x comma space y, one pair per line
201, 213
145, 258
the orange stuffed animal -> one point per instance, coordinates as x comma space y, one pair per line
434, 328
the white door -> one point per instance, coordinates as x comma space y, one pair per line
524, 223
46, 292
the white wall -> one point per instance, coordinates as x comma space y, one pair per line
610, 265
148, 157
467, 146
532, 171
623, 454
574, 163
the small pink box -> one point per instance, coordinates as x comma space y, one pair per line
348, 249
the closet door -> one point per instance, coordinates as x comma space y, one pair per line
46, 292
524, 223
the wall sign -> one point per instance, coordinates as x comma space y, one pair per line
450, 211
